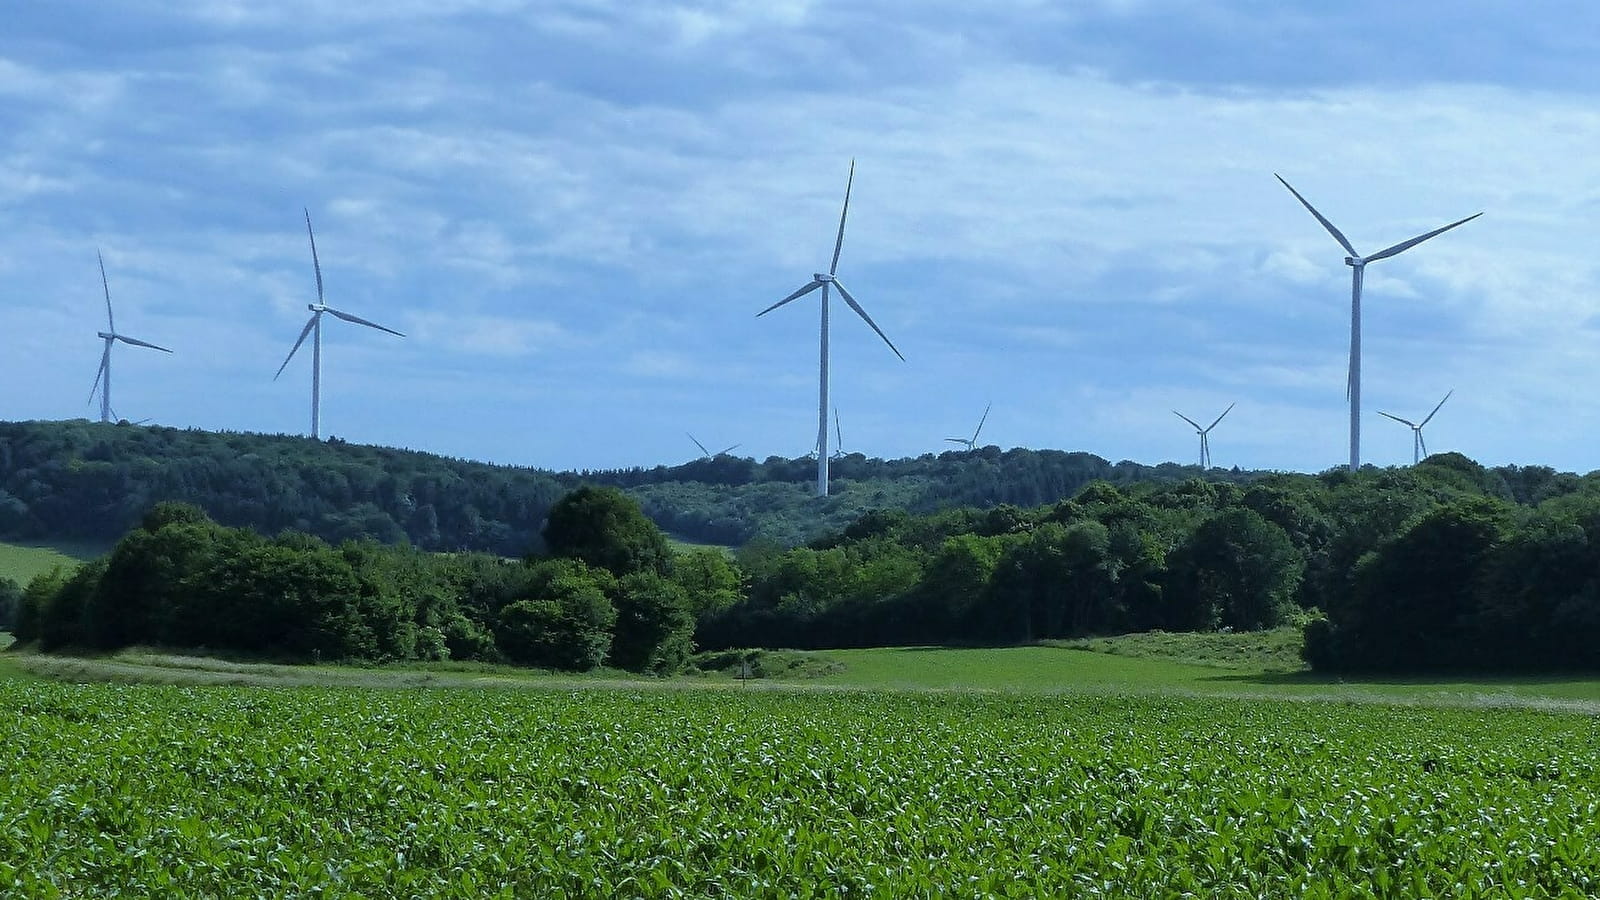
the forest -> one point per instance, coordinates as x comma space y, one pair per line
91, 481
1446, 565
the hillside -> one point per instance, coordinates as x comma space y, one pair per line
87, 481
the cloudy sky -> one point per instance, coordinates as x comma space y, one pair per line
574, 209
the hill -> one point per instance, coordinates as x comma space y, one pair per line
87, 481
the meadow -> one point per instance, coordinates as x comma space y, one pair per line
22, 561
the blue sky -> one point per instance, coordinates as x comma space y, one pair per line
575, 208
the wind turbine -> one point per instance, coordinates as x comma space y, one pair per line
1205, 433
314, 328
1357, 264
1419, 447
102, 378
825, 281
708, 453
973, 441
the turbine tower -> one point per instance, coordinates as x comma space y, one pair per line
973, 441
314, 328
1205, 433
1357, 264
707, 454
102, 378
826, 281
1419, 447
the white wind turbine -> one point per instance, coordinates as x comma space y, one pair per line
707, 453
102, 378
973, 441
1357, 264
1205, 434
1419, 447
314, 328
825, 281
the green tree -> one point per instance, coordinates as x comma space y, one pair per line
1237, 570
654, 627
605, 529
566, 624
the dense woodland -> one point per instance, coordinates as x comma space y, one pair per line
92, 481
1445, 564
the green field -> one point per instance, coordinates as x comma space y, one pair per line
173, 791
21, 562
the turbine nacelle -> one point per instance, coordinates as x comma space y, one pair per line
821, 277
316, 307
109, 337
1354, 262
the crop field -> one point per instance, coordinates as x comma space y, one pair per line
723, 792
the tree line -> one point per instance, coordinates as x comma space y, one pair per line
610, 591
1441, 565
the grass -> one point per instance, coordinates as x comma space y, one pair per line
1032, 670
683, 545
1277, 650
22, 561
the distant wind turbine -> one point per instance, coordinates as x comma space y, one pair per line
825, 281
1205, 434
708, 453
838, 435
314, 328
1419, 447
102, 378
1357, 264
973, 441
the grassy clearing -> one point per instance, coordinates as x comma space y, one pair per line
1037, 670
21, 562
681, 545
1270, 651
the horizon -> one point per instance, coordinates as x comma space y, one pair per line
1068, 213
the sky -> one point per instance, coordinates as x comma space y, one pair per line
574, 209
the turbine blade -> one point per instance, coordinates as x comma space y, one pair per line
725, 450
360, 321
792, 297
1337, 234
138, 343
956, 440
838, 433
111, 323
1224, 413
310, 323
1436, 408
315, 263
1190, 421
698, 444
868, 319
105, 361
1405, 422
838, 243
1407, 245
1421, 442
981, 421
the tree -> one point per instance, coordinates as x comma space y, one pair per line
710, 581
565, 624
654, 627
605, 529
1237, 570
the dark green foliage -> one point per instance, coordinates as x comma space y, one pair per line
10, 601
1236, 570
566, 625
710, 581
604, 528
654, 626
